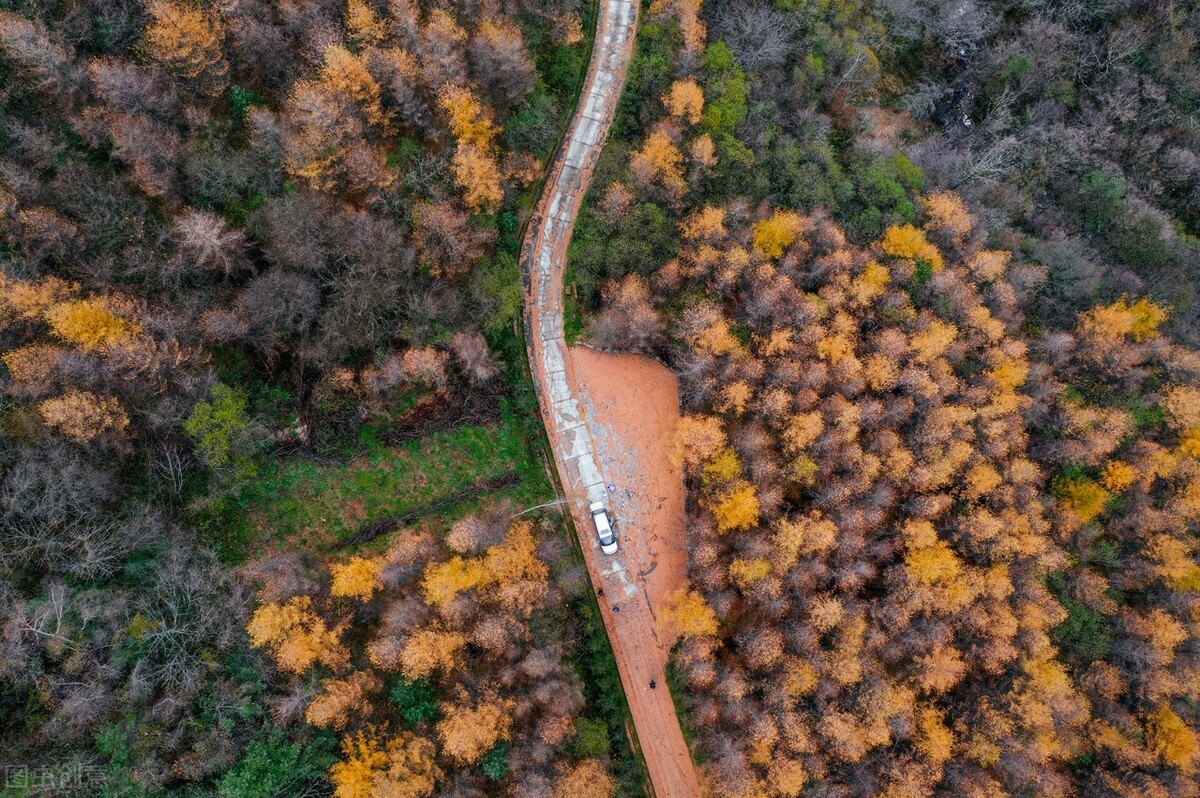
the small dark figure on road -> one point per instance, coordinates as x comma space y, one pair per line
616, 608
600, 592
653, 684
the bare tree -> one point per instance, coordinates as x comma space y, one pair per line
46, 64
473, 357
280, 305
759, 35
206, 240
628, 321
126, 87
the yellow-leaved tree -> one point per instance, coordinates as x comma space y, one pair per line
745, 572
518, 574
363, 25
358, 578
933, 739
478, 174
1173, 740
444, 581
375, 766
776, 233
32, 366
1082, 496
431, 649
186, 41
474, 164
469, 120
27, 301
737, 508
469, 731
88, 324
687, 14
1120, 319
804, 535
297, 637
947, 216
690, 614
906, 241
333, 123
698, 438
708, 223
511, 572
587, 779
1117, 476
345, 73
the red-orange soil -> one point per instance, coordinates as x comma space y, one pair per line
632, 405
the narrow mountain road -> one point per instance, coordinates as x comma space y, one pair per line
638, 642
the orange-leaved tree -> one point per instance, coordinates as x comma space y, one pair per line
468, 729
690, 614
378, 764
685, 100
186, 40
342, 699
297, 636
659, 162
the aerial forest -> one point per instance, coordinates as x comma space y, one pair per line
926, 275
275, 512
248, 249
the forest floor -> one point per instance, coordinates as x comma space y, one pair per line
596, 441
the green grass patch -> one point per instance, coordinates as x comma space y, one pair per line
573, 324
309, 503
593, 660
681, 697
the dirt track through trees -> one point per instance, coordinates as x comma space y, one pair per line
596, 443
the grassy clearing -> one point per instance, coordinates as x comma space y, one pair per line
681, 696
311, 504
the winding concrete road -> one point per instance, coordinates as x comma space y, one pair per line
632, 628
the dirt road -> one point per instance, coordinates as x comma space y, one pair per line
628, 599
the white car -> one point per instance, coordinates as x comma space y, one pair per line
608, 541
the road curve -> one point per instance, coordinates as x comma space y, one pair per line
543, 258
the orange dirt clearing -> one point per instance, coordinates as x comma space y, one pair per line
632, 405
